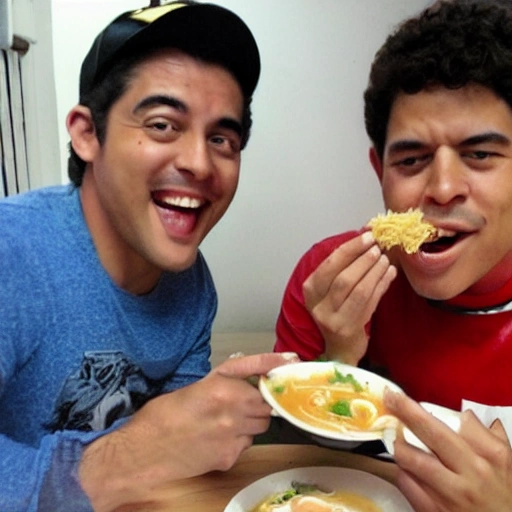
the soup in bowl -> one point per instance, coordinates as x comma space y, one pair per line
330, 400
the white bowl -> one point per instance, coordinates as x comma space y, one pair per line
331, 438
384, 494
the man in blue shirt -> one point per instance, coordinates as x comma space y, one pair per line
106, 301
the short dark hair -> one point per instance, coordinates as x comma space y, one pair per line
107, 91
453, 43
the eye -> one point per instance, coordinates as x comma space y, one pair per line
162, 129
226, 144
160, 126
480, 155
411, 163
481, 159
218, 139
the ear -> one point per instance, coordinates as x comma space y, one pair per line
376, 163
81, 129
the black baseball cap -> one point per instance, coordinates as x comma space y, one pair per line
203, 30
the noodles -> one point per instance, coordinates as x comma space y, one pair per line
405, 229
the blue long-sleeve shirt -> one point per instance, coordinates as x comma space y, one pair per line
77, 353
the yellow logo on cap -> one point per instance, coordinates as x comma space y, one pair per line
150, 14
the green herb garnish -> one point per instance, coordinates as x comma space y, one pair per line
346, 379
341, 408
284, 497
297, 489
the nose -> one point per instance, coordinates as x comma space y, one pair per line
447, 177
193, 156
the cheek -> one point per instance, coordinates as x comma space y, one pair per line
228, 180
399, 194
392, 193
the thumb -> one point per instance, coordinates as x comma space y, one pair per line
259, 364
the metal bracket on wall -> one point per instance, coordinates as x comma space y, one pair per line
9, 40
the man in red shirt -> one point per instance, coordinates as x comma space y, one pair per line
438, 110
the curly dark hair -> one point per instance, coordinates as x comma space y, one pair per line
108, 90
452, 43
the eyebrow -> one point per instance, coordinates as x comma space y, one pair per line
493, 137
231, 124
404, 145
482, 138
160, 99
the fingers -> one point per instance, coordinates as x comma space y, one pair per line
366, 290
469, 470
259, 364
447, 444
356, 273
318, 284
499, 431
486, 442
415, 492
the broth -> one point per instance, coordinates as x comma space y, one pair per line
317, 501
331, 401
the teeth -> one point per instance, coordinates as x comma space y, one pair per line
445, 233
182, 202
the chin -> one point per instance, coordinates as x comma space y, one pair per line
178, 262
430, 289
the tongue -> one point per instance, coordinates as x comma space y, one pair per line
179, 222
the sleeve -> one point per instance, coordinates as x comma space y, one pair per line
45, 479
296, 330
42, 478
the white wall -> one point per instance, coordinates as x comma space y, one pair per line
305, 173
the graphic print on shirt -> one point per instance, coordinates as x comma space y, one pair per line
106, 387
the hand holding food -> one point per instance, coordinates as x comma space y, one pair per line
469, 471
218, 417
342, 293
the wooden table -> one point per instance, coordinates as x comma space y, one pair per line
213, 491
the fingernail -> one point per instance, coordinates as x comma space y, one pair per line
390, 398
290, 357
236, 355
367, 237
374, 251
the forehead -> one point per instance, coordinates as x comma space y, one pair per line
171, 69
448, 112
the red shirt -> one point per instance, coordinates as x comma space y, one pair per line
439, 352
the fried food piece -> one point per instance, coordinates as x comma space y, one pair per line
407, 229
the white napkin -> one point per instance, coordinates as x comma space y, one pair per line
485, 413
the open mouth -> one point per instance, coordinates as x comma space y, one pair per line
179, 213
444, 241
